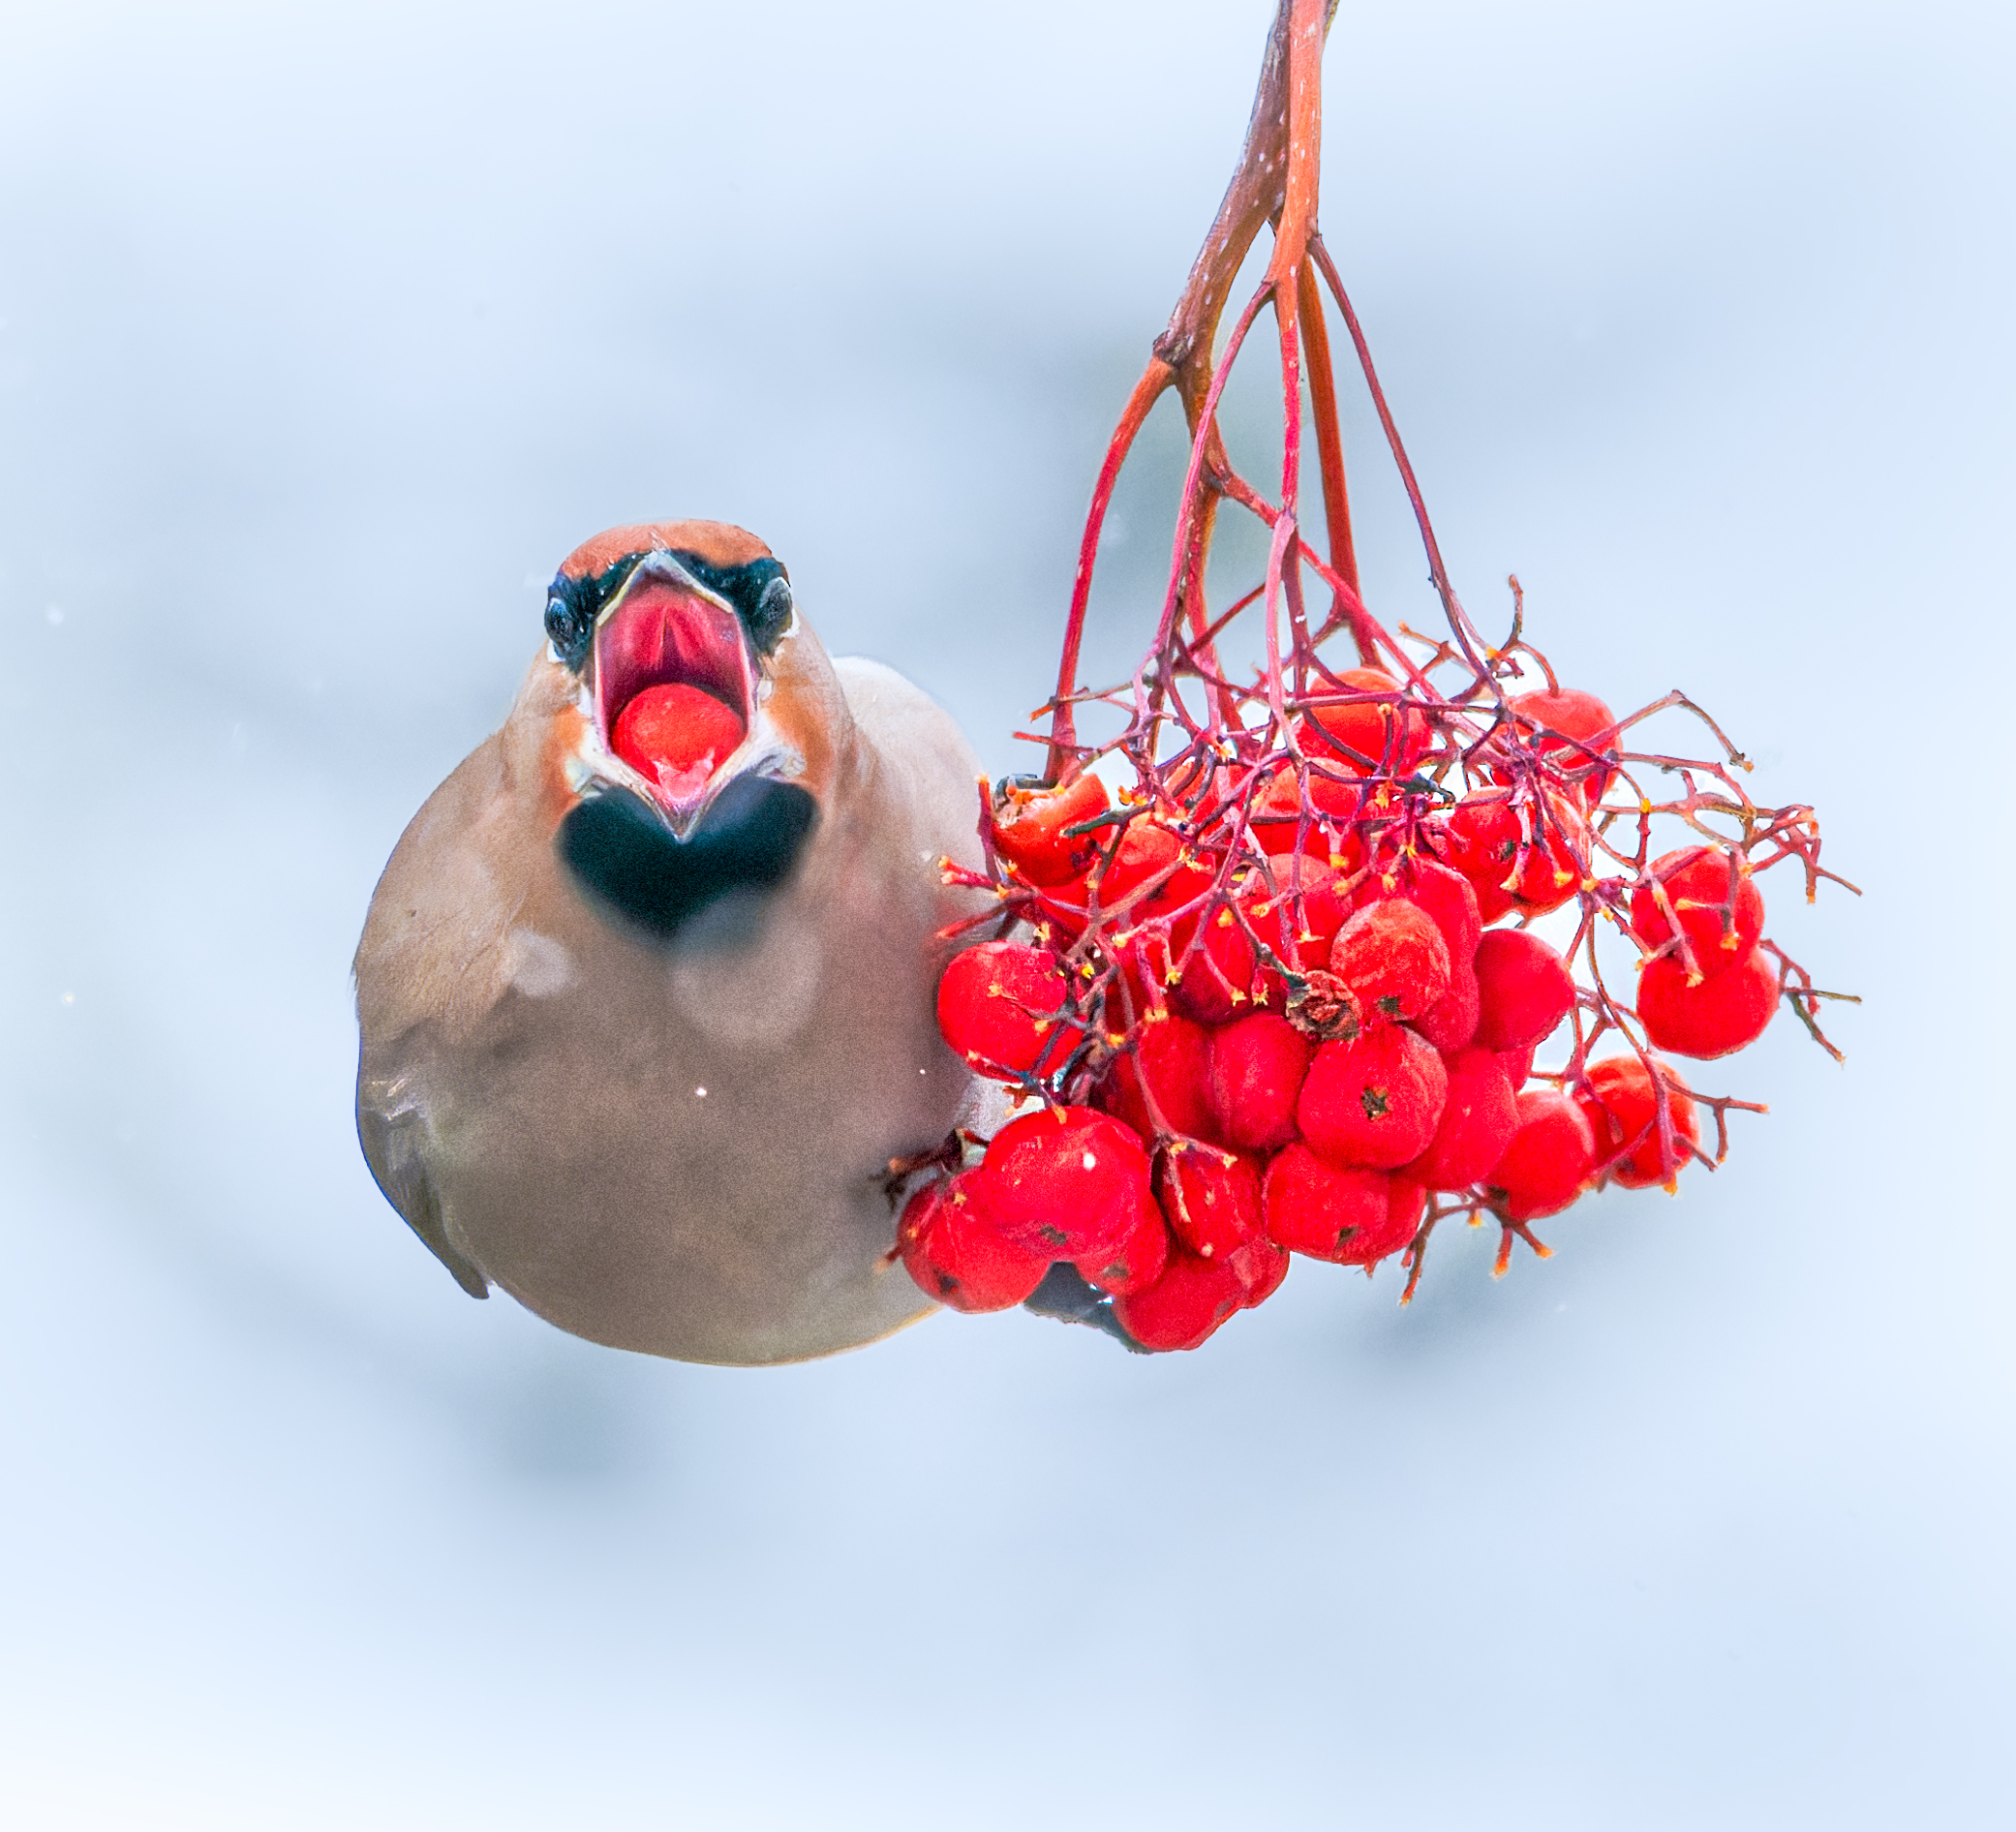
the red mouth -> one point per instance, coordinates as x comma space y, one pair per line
673, 687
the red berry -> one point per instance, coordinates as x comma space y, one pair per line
1350, 1218
1393, 957
1575, 716
1186, 1305
953, 1247
676, 736
1211, 1199
1001, 1007
1549, 1159
1621, 1109
1257, 1065
1476, 1126
1139, 1261
1333, 807
1216, 979
1263, 1265
1518, 1065
1446, 895
1509, 863
1363, 733
1375, 1101
1030, 830
1524, 987
1721, 910
1323, 1211
1066, 1182
1170, 1055
1714, 1017
1451, 1022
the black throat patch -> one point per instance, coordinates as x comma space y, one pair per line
622, 855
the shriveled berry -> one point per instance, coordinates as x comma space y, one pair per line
1136, 1263
1067, 1181
1001, 1007
1373, 1102
1714, 1017
1476, 1126
1621, 1109
1577, 729
1718, 905
1170, 1058
953, 1246
1323, 1210
1210, 1198
1509, 863
1370, 735
1524, 988
676, 736
1393, 957
1257, 1065
1183, 1307
1547, 1161
1030, 830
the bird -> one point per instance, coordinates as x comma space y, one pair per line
647, 1036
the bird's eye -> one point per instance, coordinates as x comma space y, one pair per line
566, 628
773, 613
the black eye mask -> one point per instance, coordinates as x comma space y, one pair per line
759, 591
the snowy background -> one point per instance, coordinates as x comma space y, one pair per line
326, 330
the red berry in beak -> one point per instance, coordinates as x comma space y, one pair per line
677, 737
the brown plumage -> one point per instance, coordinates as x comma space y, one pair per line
642, 1054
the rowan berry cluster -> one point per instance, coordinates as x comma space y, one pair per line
1283, 998
1277, 991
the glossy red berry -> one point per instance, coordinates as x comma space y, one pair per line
1720, 910
1257, 1065
1001, 1007
1477, 1117
1547, 1160
1514, 858
1713, 1017
1170, 1057
1393, 957
1323, 1210
676, 736
1067, 1181
1184, 1306
1372, 736
1210, 1198
1622, 1107
1576, 730
954, 1249
1136, 1263
1524, 988
1031, 831
1373, 1102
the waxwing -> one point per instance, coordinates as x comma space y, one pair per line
645, 1022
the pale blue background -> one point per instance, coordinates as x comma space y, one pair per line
327, 330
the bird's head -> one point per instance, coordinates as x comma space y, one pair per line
710, 720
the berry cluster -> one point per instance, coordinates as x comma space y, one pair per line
1280, 992
1270, 1001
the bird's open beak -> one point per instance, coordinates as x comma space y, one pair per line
665, 629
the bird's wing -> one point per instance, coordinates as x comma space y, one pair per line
392, 1128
